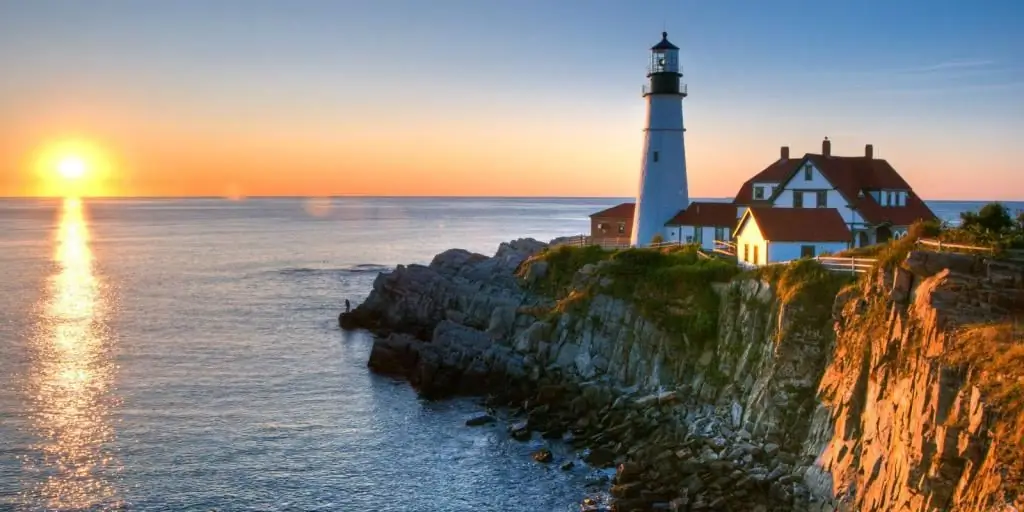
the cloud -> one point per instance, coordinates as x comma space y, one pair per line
950, 65
959, 89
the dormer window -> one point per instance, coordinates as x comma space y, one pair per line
808, 174
758, 192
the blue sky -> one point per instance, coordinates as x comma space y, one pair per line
926, 82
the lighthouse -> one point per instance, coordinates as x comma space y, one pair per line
663, 192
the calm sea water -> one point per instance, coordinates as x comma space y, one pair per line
184, 355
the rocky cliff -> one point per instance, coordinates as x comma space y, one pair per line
708, 390
909, 419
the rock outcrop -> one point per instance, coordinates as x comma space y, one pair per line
900, 425
794, 405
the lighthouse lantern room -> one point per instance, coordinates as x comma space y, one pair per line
663, 189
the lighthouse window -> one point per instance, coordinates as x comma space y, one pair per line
655, 156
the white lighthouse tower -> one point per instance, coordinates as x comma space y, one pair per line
663, 192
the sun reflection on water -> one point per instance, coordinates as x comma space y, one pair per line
71, 381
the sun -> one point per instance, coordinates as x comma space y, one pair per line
75, 167
71, 167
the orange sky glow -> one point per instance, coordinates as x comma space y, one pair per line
576, 153
247, 103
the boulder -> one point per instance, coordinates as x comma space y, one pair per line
520, 431
599, 457
483, 419
542, 455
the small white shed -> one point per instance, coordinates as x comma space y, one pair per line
771, 235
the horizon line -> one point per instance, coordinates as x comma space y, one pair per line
370, 196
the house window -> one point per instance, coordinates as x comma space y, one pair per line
822, 199
798, 199
758, 192
622, 227
808, 174
746, 252
806, 251
755, 255
719, 233
655, 156
698, 234
601, 225
689, 239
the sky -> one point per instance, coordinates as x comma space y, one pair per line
498, 98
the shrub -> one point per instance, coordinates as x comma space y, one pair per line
992, 218
563, 263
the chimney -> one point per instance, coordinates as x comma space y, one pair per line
869, 151
784, 153
826, 147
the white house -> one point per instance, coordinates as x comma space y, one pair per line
873, 200
771, 235
702, 222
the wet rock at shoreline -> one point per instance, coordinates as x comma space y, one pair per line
483, 419
543, 455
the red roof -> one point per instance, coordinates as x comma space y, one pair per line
799, 224
853, 175
705, 214
778, 171
622, 211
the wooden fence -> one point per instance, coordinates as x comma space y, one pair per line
607, 243
831, 263
940, 246
851, 265
1011, 255
725, 248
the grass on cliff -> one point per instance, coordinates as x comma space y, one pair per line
806, 284
563, 263
996, 354
892, 253
671, 286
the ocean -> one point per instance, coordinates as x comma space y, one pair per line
184, 354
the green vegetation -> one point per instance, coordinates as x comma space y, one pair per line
671, 287
992, 218
563, 263
806, 288
992, 227
892, 253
